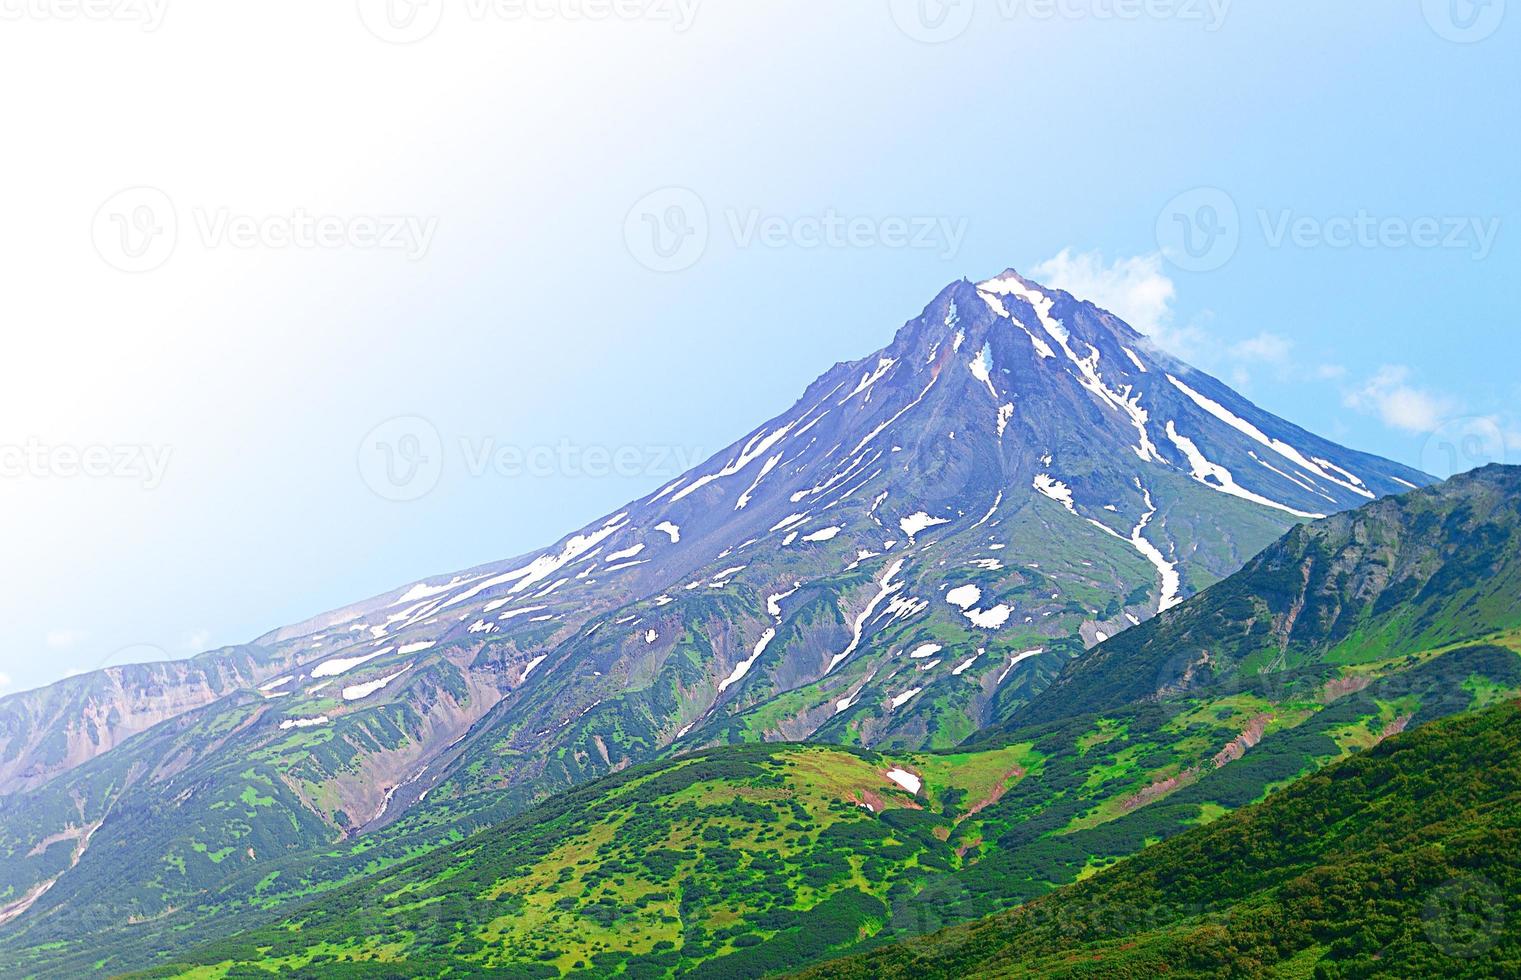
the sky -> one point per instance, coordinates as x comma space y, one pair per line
304, 302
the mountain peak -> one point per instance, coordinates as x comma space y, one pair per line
908, 554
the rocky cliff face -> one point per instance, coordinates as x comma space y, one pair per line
50, 731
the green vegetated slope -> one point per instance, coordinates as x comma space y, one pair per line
747, 860
570, 887
1402, 861
760, 857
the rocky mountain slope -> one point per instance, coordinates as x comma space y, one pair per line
50, 731
1412, 572
908, 555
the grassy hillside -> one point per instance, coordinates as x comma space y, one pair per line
760, 856
1402, 861
741, 861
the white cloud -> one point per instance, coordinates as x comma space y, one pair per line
1134, 289
198, 641
1265, 348
1391, 397
1138, 290
5, 681
63, 639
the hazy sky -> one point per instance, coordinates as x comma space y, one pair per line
576, 244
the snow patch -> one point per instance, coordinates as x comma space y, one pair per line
743, 667
758, 447
511, 613
1125, 401
989, 619
1055, 489
290, 723
1278, 446
886, 588
965, 596
355, 692
1205, 471
1018, 659
1005, 414
982, 368
905, 779
1171, 581
789, 521
341, 665
965, 664
774, 602
917, 523
872, 377
545, 565
744, 498
879, 429
617, 556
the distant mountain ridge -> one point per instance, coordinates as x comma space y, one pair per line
905, 557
